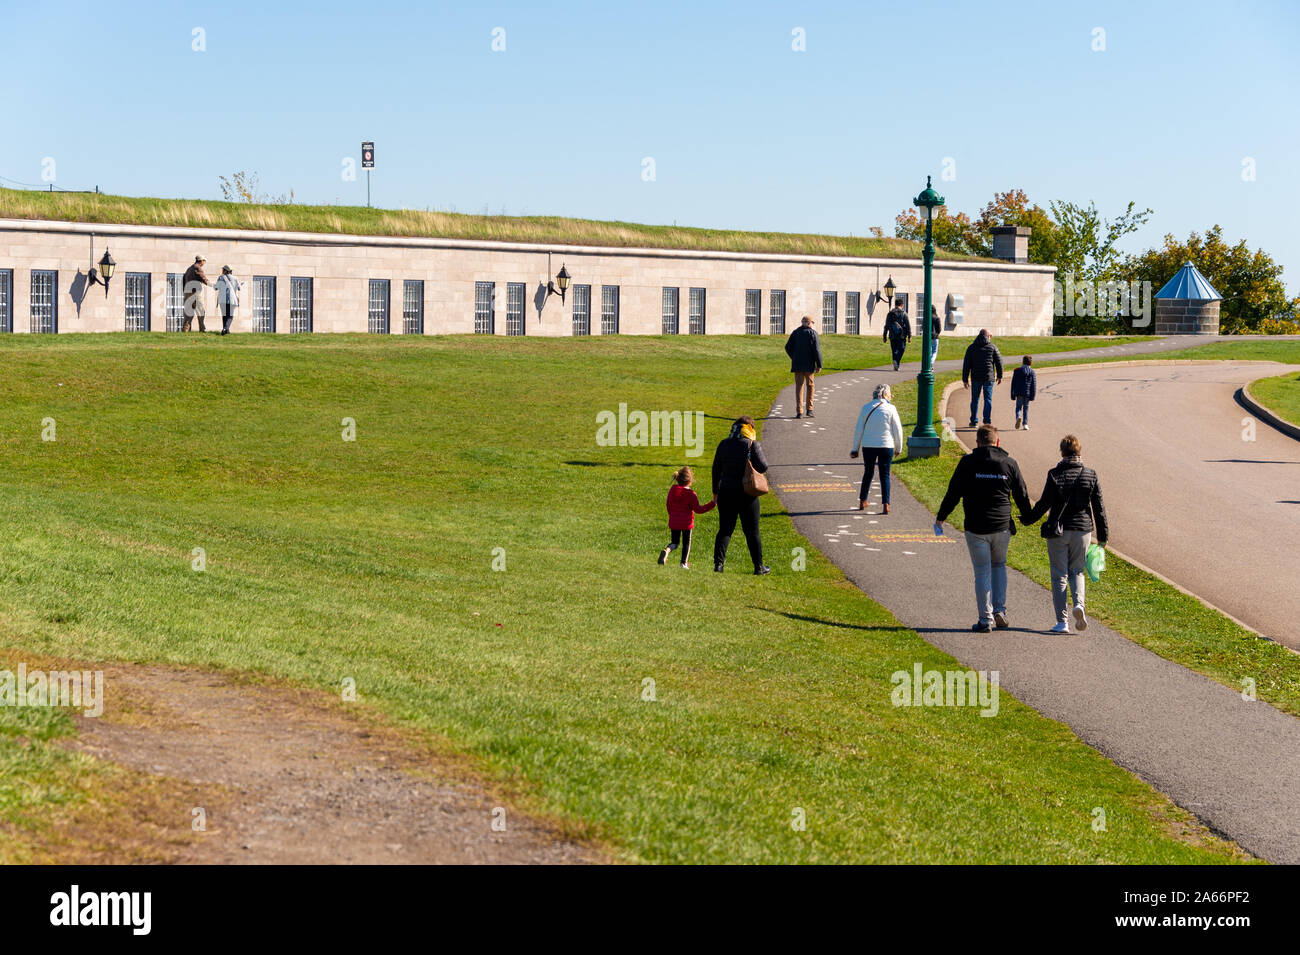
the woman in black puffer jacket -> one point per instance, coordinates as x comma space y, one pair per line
729, 461
1072, 499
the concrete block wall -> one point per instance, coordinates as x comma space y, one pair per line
1180, 316
1006, 298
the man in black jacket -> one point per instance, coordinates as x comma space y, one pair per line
981, 367
1072, 500
805, 353
986, 481
898, 331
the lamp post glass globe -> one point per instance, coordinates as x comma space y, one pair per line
562, 278
106, 266
889, 290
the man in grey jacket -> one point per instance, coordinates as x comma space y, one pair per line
805, 353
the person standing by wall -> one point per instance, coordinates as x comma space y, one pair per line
735, 453
898, 331
805, 351
980, 368
192, 283
936, 329
1072, 500
986, 481
227, 297
879, 435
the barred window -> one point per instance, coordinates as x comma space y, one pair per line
301, 293
609, 309
377, 309
264, 303
753, 305
137, 301
852, 301
697, 311
830, 321
776, 312
515, 292
669, 311
174, 305
45, 302
413, 307
485, 294
582, 309
6, 300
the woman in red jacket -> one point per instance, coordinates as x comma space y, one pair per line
683, 505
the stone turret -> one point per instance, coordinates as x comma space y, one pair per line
1187, 305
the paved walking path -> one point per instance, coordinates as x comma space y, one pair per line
1191, 491
1235, 764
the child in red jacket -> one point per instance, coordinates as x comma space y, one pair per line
683, 505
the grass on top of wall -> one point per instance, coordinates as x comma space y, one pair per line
357, 220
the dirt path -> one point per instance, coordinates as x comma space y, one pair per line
288, 776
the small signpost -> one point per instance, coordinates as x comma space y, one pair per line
368, 163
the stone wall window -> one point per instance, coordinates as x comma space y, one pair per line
776, 311
6, 300
300, 304
753, 306
485, 294
174, 302
669, 311
582, 310
264, 303
377, 309
515, 292
609, 309
830, 316
137, 301
413, 307
852, 309
45, 302
697, 311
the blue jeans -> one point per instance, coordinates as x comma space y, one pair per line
871, 458
1022, 409
984, 388
988, 555
934, 351
1066, 557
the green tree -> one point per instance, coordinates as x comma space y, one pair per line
952, 232
1254, 297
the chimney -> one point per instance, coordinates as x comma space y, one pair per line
1011, 243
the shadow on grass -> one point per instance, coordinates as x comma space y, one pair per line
802, 618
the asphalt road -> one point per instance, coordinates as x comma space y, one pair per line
1235, 764
1192, 489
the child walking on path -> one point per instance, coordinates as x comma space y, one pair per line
683, 505
1024, 389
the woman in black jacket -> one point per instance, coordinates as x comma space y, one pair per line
729, 462
1071, 499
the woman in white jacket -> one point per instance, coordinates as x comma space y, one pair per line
879, 435
227, 297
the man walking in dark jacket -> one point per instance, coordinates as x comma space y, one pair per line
192, 285
805, 353
986, 481
981, 367
1072, 500
898, 331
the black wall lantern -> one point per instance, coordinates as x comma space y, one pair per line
561, 281
105, 273
889, 292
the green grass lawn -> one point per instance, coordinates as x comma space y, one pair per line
372, 559
357, 220
1131, 601
1281, 395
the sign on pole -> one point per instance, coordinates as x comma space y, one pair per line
367, 155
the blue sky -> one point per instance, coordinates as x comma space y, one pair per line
744, 131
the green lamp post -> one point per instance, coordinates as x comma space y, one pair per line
924, 442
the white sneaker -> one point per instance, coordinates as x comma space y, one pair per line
1026, 425
1080, 620
1060, 628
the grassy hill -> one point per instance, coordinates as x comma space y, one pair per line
373, 559
355, 220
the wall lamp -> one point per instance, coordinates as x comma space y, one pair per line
105, 273
889, 291
560, 283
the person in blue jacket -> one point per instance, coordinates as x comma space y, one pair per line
1024, 389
